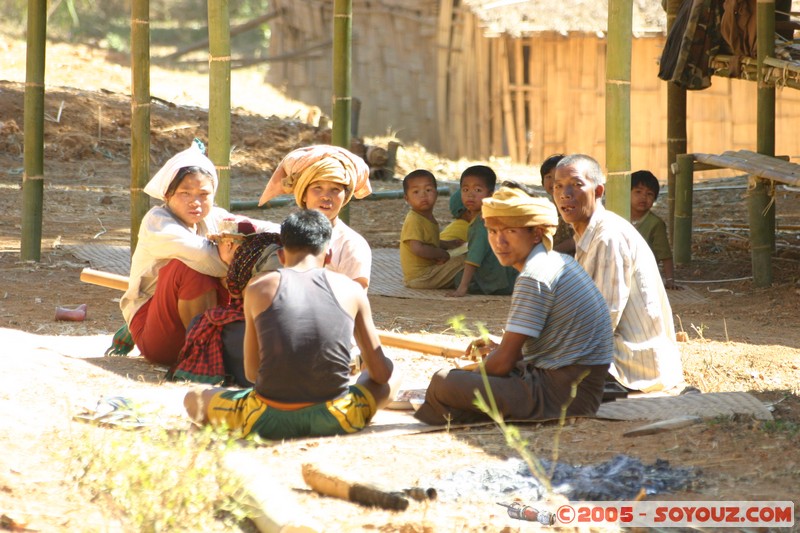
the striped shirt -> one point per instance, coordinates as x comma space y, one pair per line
646, 356
556, 304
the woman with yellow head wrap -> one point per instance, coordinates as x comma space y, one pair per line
326, 178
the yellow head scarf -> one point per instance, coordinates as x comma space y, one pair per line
304, 166
519, 209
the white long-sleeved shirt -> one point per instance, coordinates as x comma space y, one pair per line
646, 355
162, 237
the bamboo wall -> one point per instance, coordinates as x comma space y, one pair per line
547, 95
392, 57
430, 74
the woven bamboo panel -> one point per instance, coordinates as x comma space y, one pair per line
444, 82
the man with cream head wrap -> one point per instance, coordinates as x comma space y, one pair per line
558, 331
176, 269
326, 178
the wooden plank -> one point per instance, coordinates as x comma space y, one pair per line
508, 116
497, 96
457, 88
533, 155
468, 83
755, 164
519, 100
662, 426
484, 94
443, 51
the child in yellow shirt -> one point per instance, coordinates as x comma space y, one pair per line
425, 263
456, 233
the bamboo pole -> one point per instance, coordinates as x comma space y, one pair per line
760, 204
219, 97
444, 51
684, 195
618, 107
387, 338
676, 126
140, 114
33, 128
342, 90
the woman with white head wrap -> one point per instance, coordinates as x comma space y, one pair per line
176, 269
326, 178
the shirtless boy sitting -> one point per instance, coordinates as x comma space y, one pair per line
298, 324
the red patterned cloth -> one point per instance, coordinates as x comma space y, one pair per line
202, 357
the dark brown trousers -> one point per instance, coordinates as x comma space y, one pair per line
526, 394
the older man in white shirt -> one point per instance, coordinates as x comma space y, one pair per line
646, 355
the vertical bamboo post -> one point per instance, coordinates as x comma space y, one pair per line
618, 107
684, 194
140, 114
219, 97
342, 96
676, 126
33, 128
761, 205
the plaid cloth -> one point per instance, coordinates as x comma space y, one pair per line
122, 344
201, 358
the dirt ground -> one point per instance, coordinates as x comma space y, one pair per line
740, 338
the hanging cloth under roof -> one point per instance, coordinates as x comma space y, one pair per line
691, 43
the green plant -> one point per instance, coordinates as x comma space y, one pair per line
700, 330
781, 426
161, 480
459, 325
511, 433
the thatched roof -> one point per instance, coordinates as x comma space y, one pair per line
523, 17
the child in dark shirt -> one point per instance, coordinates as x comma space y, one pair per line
483, 273
644, 191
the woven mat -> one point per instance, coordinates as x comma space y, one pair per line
686, 296
114, 259
386, 279
707, 405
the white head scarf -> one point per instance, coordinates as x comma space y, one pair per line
191, 157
